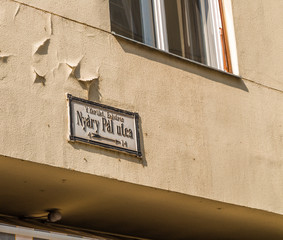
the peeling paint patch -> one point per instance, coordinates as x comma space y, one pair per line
39, 78
87, 77
53, 70
49, 27
94, 91
3, 77
4, 58
17, 11
76, 72
41, 48
90, 77
61, 71
73, 65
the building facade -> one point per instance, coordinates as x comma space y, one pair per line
210, 137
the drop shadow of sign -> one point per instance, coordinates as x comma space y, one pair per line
136, 48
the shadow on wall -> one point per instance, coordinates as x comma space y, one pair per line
137, 48
94, 91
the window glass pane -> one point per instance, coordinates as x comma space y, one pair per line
147, 22
126, 18
185, 29
193, 31
174, 27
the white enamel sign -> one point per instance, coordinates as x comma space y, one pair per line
104, 126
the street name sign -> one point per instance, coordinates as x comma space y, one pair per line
103, 126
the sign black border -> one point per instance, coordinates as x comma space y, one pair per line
137, 153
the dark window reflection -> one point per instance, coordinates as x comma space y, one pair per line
126, 18
193, 31
174, 25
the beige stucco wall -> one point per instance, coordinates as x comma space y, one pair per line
204, 133
259, 40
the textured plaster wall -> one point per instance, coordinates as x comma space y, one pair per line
204, 133
259, 40
90, 12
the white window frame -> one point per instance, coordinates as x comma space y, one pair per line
228, 14
212, 25
160, 25
30, 233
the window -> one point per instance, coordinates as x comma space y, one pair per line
193, 29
